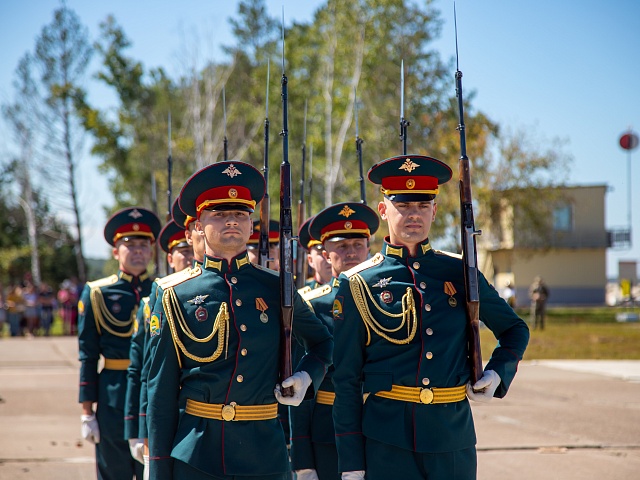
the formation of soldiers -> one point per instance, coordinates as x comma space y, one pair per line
190, 383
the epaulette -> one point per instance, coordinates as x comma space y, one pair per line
372, 262
317, 293
179, 277
448, 254
303, 290
103, 282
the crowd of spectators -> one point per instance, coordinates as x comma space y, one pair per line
30, 310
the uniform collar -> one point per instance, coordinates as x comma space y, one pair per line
402, 252
334, 282
221, 265
127, 277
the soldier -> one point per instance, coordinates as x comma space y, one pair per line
274, 244
107, 312
172, 240
315, 259
212, 410
400, 333
345, 230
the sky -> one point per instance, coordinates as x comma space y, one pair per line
565, 70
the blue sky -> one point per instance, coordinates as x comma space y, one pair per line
567, 69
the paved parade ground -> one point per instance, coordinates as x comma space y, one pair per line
565, 420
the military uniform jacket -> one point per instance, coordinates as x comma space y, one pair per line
107, 316
424, 347
235, 306
132, 398
311, 421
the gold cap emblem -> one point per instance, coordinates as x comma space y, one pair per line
348, 225
233, 193
408, 165
232, 171
346, 211
136, 227
411, 183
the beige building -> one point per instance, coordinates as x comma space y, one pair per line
569, 252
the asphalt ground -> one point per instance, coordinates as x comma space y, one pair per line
564, 420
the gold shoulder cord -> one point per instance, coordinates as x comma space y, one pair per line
103, 316
172, 309
409, 316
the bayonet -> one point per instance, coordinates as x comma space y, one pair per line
225, 141
404, 124
265, 212
359, 141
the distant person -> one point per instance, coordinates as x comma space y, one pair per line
539, 293
509, 294
68, 304
3, 311
30, 295
15, 310
46, 303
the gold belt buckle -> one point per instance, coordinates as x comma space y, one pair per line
426, 396
229, 412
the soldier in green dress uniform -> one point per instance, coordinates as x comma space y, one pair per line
400, 339
107, 318
315, 259
173, 242
344, 229
212, 411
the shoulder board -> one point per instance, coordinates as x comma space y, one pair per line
178, 277
317, 293
448, 254
103, 282
372, 262
303, 290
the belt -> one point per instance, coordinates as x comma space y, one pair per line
218, 411
325, 398
116, 363
425, 395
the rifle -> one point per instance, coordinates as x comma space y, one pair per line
468, 233
301, 266
359, 141
169, 192
225, 142
286, 238
263, 241
404, 123
310, 180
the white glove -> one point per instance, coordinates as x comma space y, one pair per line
300, 381
484, 388
136, 446
145, 473
354, 475
306, 474
89, 429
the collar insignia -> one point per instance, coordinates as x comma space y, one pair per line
383, 282
346, 211
198, 299
232, 171
135, 213
408, 165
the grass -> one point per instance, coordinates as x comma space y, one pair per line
578, 333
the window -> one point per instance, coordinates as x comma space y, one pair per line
563, 218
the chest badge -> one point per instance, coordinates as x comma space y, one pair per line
450, 290
383, 282
386, 296
198, 299
201, 314
116, 308
115, 297
262, 306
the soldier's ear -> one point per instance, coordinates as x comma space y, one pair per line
382, 210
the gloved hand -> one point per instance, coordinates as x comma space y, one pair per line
89, 429
484, 388
354, 475
306, 474
300, 381
136, 446
145, 473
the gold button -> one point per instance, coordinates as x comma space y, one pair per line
243, 352
234, 280
429, 355
426, 381
429, 331
240, 378
243, 327
416, 265
426, 396
238, 302
423, 285
427, 307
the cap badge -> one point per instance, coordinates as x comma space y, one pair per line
135, 213
383, 282
233, 193
408, 165
346, 211
411, 183
136, 227
348, 225
232, 171
198, 299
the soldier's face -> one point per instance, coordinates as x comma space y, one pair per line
319, 264
409, 222
196, 240
226, 232
345, 254
133, 254
180, 258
